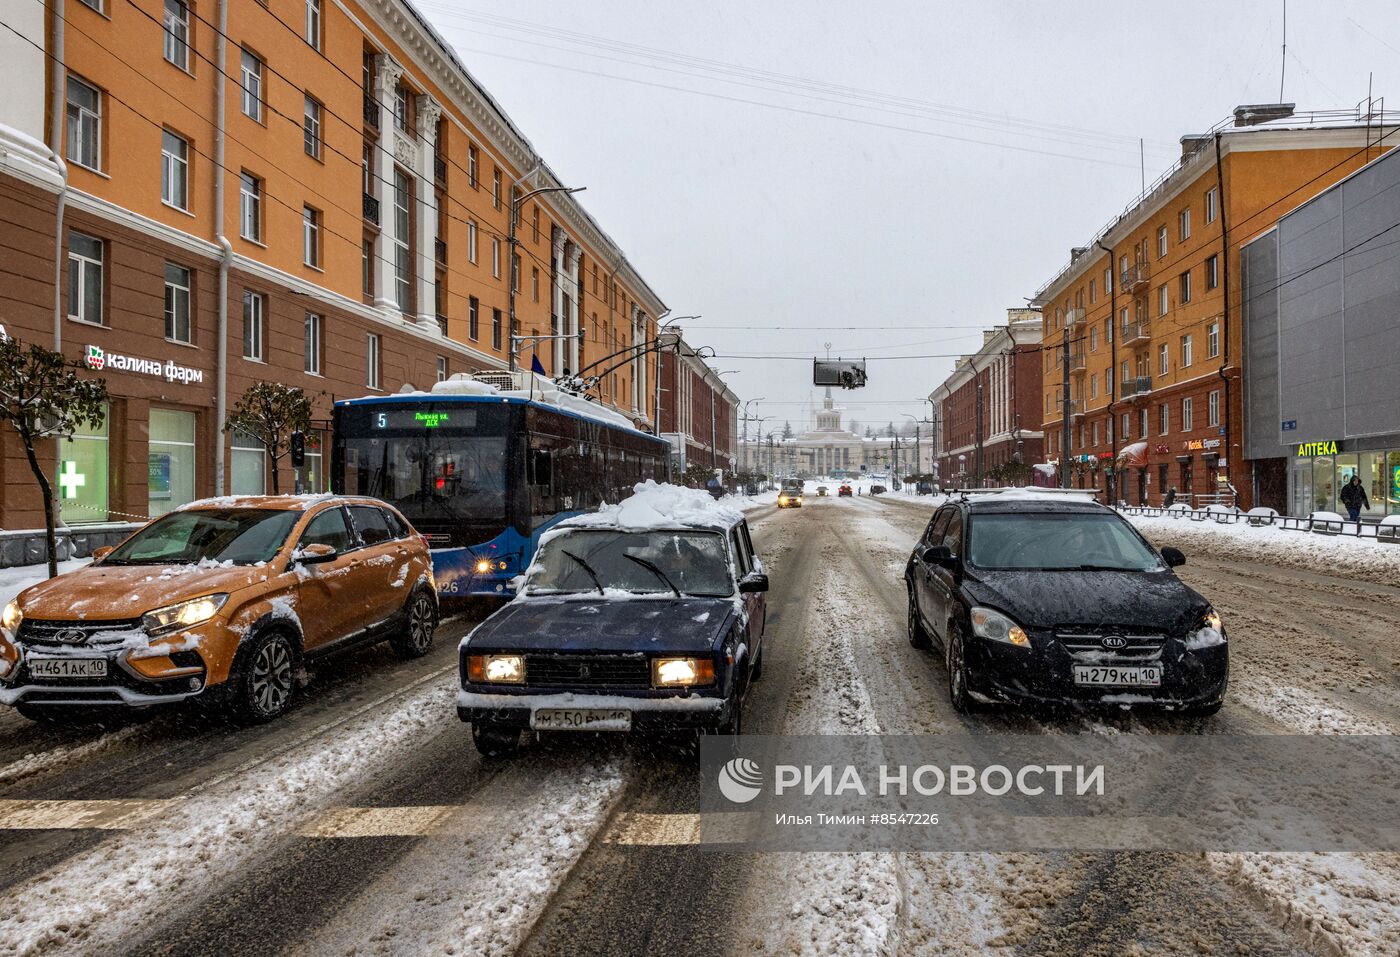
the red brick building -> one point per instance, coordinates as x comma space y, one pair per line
699, 413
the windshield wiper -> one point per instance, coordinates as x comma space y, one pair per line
588, 568
1104, 568
651, 567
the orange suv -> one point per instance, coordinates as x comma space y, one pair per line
224, 598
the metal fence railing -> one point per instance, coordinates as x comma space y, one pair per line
1317, 523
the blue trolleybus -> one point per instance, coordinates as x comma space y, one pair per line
483, 476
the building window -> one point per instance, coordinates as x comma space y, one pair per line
311, 128
1183, 224
174, 170
1213, 340
254, 325
1142, 421
1185, 351
1163, 360
82, 473
403, 265
496, 188
1162, 299
367, 266
1094, 386
252, 79
1107, 281
496, 329
1212, 204
496, 257
535, 283
1213, 408
312, 474
247, 464
311, 339
1094, 339
313, 23
85, 256
473, 167
1096, 434
1161, 241
177, 34
1184, 282
1163, 419
401, 108
1213, 272
471, 241
372, 361
1108, 382
1093, 291
177, 304
250, 207
170, 460
1186, 414
442, 368
1127, 426
84, 133
535, 223
311, 237
473, 318
1108, 331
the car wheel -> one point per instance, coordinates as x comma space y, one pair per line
494, 740
957, 673
266, 681
416, 639
918, 636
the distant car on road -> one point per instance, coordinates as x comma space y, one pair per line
224, 599
924, 488
878, 489
844, 491
821, 490
622, 628
1038, 598
790, 496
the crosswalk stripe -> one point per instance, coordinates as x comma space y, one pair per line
654, 830
109, 815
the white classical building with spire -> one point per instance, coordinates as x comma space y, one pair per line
833, 449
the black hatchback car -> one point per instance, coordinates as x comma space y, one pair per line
1042, 598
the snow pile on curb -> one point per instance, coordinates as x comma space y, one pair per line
1335, 554
654, 505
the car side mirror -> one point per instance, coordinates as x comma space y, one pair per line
753, 584
1173, 557
100, 553
315, 554
940, 555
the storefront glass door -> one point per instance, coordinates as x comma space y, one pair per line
170, 460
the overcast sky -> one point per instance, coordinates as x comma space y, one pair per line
902, 171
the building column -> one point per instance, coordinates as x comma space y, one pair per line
570, 290
428, 112
558, 282
639, 326
387, 73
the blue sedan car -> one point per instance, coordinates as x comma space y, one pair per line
621, 628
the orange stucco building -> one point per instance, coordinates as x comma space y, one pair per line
1144, 321
203, 195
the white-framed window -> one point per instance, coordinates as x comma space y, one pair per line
496, 257
254, 324
535, 283
174, 170
1161, 241
177, 33
177, 304
1108, 281
1108, 331
1183, 224
1162, 299
1094, 339
311, 236
1108, 382
1164, 419
1213, 340
1093, 291
1123, 318
1186, 414
251, 78
1127, 426
1094, 386
311, 128
1213, 272
311, 340
1184, 293
401, 107
473, 167
84, 127
1096, 433
1186, 357
471, 241
1142, 421
250, 207
85, 257
1213, 408
403, 264
372, 360
473, 318
496, 188
367, 266
1164, 360
442, 368
1212, 204
313, 23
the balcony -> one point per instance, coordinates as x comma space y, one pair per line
1074, 317
371, 112
1078, 362
440, 249
1136, 388
1134, 278
1076, 409
1136, 334
440, 169
371, 208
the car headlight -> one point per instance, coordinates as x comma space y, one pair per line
1212, 621
681, 672
10, 619
988, 623
182, 615
496, 669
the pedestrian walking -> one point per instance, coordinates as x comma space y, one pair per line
1171, 497
1354, 498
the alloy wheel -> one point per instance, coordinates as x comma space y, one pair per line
420, 624
270, 680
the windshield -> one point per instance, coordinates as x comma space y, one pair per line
241, 536
1057, 541
658, 562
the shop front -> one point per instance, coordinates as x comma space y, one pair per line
1320, 469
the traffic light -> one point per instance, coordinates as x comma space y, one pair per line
298, 449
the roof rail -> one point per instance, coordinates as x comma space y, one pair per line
1091, 493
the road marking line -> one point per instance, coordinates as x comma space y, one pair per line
418, 821
654, 830
110, 815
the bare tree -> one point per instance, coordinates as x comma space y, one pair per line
43, 395
270, 412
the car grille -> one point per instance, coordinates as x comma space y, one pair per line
587, 671
1089, 646
37, 631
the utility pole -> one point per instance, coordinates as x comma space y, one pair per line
1064, 413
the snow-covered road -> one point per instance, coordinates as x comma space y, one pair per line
365, 823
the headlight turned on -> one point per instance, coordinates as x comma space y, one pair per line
12, 617
496, 669
1213, 622
987, 623
182, 615
681, 672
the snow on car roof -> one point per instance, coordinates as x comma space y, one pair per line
661, 505
287, 502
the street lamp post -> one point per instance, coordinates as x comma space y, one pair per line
512, 242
